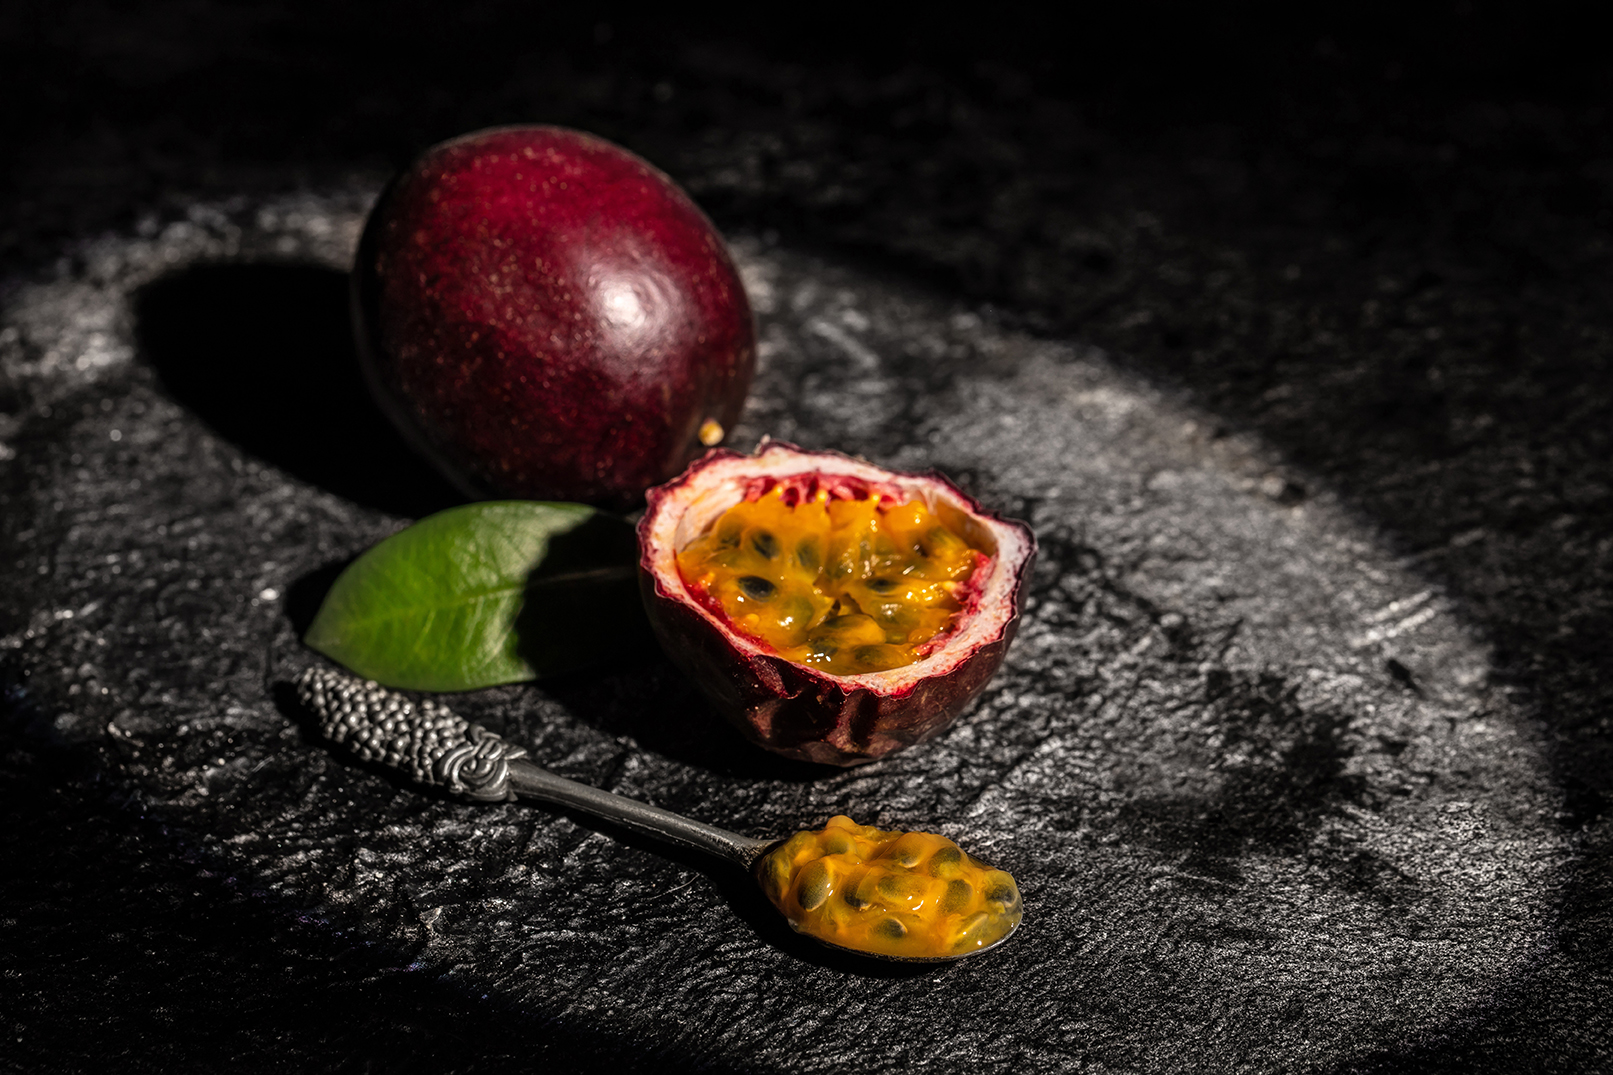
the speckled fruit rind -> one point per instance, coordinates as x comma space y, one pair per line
793, 709
547, 316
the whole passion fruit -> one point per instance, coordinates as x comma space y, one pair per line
833, 610
547, 316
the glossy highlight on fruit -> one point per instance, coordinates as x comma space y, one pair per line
912, 895
547, 316
953, 610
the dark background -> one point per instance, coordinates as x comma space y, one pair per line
1414, 212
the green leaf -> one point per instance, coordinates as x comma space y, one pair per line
484, 594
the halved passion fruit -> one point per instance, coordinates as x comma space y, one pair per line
833, 610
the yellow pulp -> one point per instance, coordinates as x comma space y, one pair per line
910, 894
846, 586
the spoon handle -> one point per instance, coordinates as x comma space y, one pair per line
434, 746
530, 781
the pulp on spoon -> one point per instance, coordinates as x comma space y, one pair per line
907, 895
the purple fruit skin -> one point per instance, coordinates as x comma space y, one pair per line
789, 708
547, 316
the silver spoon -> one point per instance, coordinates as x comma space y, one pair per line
433, 746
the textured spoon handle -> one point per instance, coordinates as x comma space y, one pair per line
426, 740
433, 745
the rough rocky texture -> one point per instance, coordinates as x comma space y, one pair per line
1301, 757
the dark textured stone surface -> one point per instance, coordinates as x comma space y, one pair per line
1301, 757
